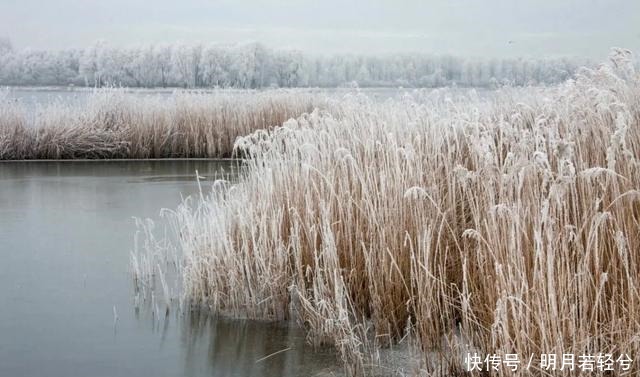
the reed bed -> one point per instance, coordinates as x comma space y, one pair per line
115, 124
499, 226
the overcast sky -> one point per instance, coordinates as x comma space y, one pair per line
462, 27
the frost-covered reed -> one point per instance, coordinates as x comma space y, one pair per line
116, 124
496, 226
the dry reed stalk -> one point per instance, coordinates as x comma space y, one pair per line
514, 225
115, 124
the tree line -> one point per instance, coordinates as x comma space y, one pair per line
253, 65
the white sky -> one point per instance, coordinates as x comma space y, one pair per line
461, 27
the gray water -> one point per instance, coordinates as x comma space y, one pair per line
66, 233
31, 98
34, 99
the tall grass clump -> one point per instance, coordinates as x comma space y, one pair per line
499, 226
116, 124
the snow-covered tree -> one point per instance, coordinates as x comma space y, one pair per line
255, 66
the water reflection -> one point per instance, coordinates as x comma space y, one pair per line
251, 348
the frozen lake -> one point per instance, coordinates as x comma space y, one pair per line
66, 303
